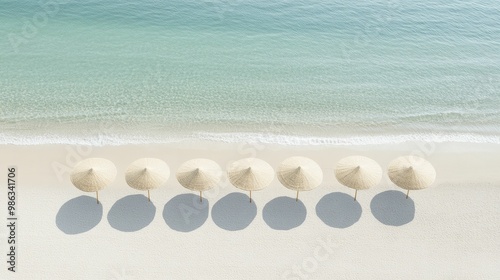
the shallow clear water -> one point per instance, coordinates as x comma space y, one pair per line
115, 72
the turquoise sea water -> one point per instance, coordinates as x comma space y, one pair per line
299, 72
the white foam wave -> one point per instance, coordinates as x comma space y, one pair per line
117, 140
348, 140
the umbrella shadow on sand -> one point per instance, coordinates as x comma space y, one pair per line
185, 212
392, 208
131, 213
338, 210
234, 212
79, 215
284, 213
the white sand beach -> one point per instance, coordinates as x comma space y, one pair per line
449, 231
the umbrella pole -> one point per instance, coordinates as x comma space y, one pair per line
297, 197
407, 193
201, 200
250, 196
97, 196
355, 194
149, 199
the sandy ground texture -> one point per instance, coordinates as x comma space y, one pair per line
448, 231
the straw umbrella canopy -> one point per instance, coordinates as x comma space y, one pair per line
250, 174
93, 174
146, 174
199, 174
358, 172
299, 174
411, 173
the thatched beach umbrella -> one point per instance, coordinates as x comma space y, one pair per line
250, 174
299, 174
199, 174
146, 174
358, 172
411, 173
93, 174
